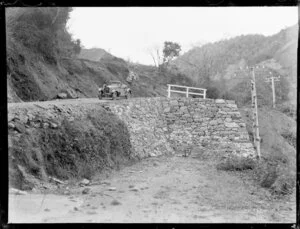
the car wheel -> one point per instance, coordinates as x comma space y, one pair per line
114, 95
128, 95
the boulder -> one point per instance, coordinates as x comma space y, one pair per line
45, 125
174, 103
53, 125
62, 96
67, 192
86, 191
84, 182
55, 180
220, 101
11, 125
20, 127
17, 192
231, 125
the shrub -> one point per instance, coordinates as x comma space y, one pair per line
290, 137
228, 96
235, 163
278, 177
276, 172
285, 182
212, 93
288, 109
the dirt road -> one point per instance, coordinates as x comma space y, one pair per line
63, 101
167, 189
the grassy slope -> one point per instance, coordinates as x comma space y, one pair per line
274, 126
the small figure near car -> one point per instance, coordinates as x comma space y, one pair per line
114, 89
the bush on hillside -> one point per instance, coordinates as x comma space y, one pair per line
276, 176
276, 172
287, 109
290, 137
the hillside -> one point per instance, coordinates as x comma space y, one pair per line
43, 61
216, 63
94, 54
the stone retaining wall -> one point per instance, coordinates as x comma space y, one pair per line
162, 125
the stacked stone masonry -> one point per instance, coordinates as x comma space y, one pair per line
157, 125
164, 125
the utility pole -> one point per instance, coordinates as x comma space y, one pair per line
255, 126
272, 79
256, 137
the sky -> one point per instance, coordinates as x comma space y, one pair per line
133, 32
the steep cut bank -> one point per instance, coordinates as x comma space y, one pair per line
63, 141
72, 139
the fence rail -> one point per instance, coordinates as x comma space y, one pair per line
187, 91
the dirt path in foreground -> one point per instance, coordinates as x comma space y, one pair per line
158, 190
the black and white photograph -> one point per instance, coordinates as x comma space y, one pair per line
152, 114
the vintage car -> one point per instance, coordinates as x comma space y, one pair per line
113, 90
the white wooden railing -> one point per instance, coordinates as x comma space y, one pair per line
187, 91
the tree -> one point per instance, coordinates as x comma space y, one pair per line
42, 29
202, 65
156, 55
170, 51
